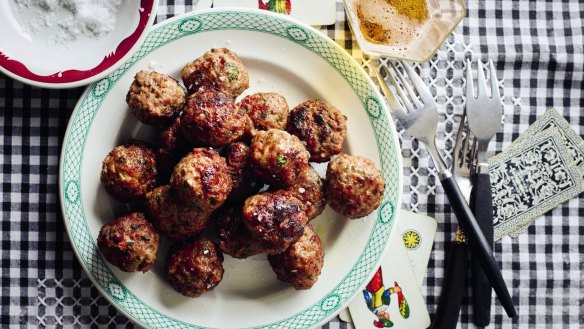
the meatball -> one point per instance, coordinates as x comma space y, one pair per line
202, 179
211, 117
155, 98
354, 187
171, 148
172, 217
310, 190
220, 69
266, 110
320, 126
129, 242
195, 268
232, 236
129, 171
300, 265
276, 219
278, 157
245, 183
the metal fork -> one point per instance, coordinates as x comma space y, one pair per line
484, 120
453, 288
463, 157
420, 121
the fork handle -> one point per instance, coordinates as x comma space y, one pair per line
479, 245
448, 309
482, 205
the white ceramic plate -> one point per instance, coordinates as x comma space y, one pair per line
31, 58
281, 55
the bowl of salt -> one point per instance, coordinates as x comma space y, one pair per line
70, 43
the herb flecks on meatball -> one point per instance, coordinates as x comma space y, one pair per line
202, 179
276, 219
266, 110
129, 242
211, 118
232, 236
195, 268
155, 98
278, 157
301, 264
310, 190
219, 69
320, 126
354, 186
129, 171
172, 217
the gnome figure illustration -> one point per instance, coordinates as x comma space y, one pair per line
378, 299
277, 6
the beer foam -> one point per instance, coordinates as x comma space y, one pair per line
377, 18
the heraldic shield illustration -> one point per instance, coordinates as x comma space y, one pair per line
378, 300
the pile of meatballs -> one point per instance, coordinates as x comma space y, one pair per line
227, 177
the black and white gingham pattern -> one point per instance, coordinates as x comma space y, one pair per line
538, 48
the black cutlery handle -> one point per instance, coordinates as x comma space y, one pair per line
482, 206
446, 316
479, 246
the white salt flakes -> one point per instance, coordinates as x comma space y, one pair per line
89, 18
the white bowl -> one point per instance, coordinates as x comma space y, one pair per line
32, 59
281, 55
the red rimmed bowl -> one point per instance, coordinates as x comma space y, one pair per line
29, 55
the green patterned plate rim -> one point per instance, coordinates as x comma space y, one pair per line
230, 19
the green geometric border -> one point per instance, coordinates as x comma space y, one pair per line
200, 22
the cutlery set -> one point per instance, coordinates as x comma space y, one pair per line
468, 190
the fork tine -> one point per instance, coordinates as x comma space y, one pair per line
473, 156
406, 85
469, 81
465, 158
459, 144
481, 82
421, 87
390, 96
494, 82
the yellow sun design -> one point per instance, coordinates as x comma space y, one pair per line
412, 239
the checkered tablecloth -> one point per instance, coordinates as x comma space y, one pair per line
538, 50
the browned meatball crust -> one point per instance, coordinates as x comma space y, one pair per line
155, 98
354, 186
211, 118
232, 236
195, 268
310, 190
129, 171
220, 69
278, 157
171, 148
276, 219
172, 217
245, 183
300, 265
320, 126
266, 110
202, 179
129, 242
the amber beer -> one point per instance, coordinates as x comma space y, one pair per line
391, 22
